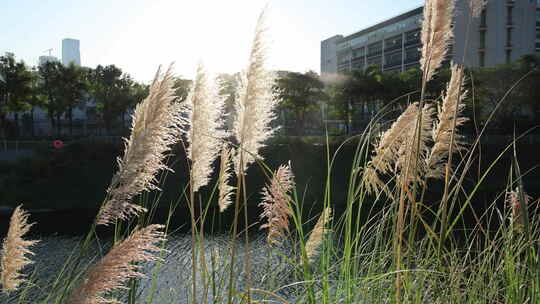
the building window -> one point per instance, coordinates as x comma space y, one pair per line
374, 61
393, 43
483, 18
412, 55
359, 52
375, 48
509, 10
482, 40
538, 39
412, 37
482, 59
391, 60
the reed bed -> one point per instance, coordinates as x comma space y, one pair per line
391, 243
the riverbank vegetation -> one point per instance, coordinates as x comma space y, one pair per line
408, 232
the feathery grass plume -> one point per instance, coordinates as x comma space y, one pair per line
14, 250
255, 103
436, 34
225, 190
415, 145
476, 7
117, 266
204, 108
512, 200
155, 127
449, 119
275, 204
387, 148
317, 234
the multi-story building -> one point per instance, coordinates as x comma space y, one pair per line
505, 31
71, 51
45, 59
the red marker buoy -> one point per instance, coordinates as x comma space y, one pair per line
58, 144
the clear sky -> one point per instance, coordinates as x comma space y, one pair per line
138, 35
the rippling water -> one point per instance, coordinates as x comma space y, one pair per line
170, 281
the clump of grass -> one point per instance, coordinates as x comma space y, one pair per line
368, 259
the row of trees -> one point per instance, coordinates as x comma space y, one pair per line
308, 102
355, 96
59, 89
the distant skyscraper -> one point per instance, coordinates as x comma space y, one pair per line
45, 59
71, 51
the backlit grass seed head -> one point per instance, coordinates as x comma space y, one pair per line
204, 108
14, 251
275, 204
155, 127
225, 190
412, 154
317, 234
436, 34
118, 266
255, 103
390, 153
450, 117
516, 216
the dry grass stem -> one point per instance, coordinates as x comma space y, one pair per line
450, 117
117, 266
436, 34
317, 234
225, 190
255, 103
14, 251
275, 203
155, 127
204, 108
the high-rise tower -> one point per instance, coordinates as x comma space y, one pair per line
71, 51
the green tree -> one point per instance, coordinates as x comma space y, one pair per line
15, 90
300, 94
106, 82
51, 87
72, 90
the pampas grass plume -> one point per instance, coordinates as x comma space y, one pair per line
449, 119
391, 148
225, 190
275, 204
412, 153
436, 34
14, 251
317, 234
117, 266
155, 127
255, 103
204, 107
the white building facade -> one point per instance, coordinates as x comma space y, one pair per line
71, 51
